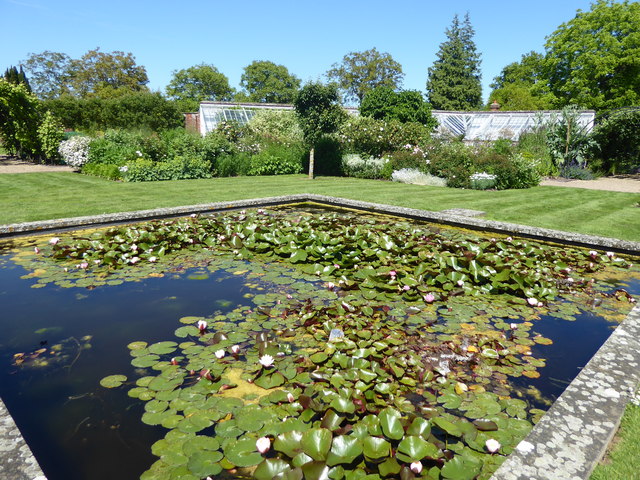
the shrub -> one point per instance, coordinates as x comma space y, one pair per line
19, 120
75, 151
50, 134
577, 173
517, 172
328, 157
116, 147
569, 142
371, 137
277, 159
178, 168
618, 138
384, 103
104, 170
416, 177
452, 161
233, 165
275, 125
354, 165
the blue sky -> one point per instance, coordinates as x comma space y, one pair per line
307, 37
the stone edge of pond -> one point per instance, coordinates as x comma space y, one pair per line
568, 441
16, 459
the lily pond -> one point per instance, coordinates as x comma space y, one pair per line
294, 342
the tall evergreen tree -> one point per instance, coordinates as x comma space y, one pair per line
12, 75
454, 79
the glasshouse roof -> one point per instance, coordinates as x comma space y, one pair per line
472, 126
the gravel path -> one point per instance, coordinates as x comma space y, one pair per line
13, 165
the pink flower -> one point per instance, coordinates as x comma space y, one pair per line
416, 467
393, 273
509, 239
202, 326
263, 444
492, 445
429, 298
84, 265
54, 240
532, 301
406, 288
335, 265
289, 296
219, 353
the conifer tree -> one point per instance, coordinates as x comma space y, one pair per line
454, 79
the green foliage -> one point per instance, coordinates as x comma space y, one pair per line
371, 137
413, 158
533, 145
318, 110
134, 110
264, 81
452, 161
569, 142
361, 72
384, 103
618, 138
50, 73
278, 159
592, 60
103, 170
50, 134
235, 165
354, 165
176, 168
275, 125
199, 83
116, 147
15, 76
454, 78
19, 120
523, 85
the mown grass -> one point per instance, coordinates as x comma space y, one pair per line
623, 460
40, 196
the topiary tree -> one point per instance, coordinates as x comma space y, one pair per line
319, 113
19, 120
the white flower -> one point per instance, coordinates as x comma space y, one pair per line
139, 153
290, 397
219, 353
514, 326
611, 254
124, 169
36, 249
416, 467
492, 445
460, 283
134, 260
266, 361
235, 349
532, 301
202, 325
263, 444
153, 259
54, 240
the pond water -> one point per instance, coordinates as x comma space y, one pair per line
60, 340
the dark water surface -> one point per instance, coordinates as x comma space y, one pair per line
79, 430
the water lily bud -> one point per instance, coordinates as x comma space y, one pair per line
509, 239
36, 249
289, 296
173, 361
611, 254
532, 301
134, 247
219, 353
416, 467
330, 285
290, 398
235, 349
202, 326
429, 298
54, 240
84, 265
193, 215
492, 445
460, 283
540, 304
266, 361
263, 444
153, 259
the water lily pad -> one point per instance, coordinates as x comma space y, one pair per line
316, 443
413, 449
344, 449
376, 449
390, 423
243, 453
113, 381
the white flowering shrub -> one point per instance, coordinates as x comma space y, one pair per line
482, 181
354, 165
416, 177
75, 151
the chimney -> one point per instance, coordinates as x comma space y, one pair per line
495, 106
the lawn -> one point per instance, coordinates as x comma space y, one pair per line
40, 196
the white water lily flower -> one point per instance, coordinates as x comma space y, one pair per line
219, 353
266, 361
416, 467
532, 301
235, 349
54, 240
263, 444
492, 445
202, 325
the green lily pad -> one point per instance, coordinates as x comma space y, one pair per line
376, 449
316, 443
344, 449
243, 453
113, 381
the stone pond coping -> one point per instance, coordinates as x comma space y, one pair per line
570, 438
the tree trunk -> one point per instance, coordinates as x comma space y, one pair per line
311, 162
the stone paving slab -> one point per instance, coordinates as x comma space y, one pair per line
16, 460
567, 442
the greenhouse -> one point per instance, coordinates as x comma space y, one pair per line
472, 126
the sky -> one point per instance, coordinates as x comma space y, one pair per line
307, 37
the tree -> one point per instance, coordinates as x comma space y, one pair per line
19, 120
384, 103
454, 79
203, 82
319, 113
592, 60
107, 74
49, 72
17, 77
523, 85
360, 72
264, 81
